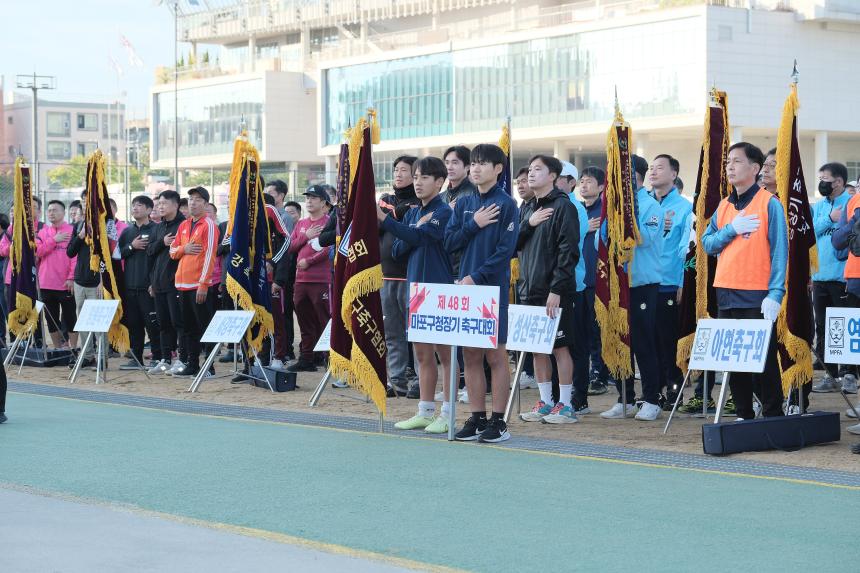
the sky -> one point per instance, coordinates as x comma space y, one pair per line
73, 40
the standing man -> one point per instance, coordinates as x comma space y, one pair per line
484, 230
748, 232
194, 247
676, 210
168, 309
56, 272
420, 239
548, 242
138, 303
310, 295
569, 176
591, 186
828, 284
644, 272
395, 288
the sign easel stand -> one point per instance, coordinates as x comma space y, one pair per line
95, 319
453, 380
227, 327
515, 388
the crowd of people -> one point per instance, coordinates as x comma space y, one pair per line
447, 220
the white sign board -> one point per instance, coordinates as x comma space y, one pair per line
728, 345
323, 344
39, 306
454, 314
96, 315
842, 336
228, 326
530, 329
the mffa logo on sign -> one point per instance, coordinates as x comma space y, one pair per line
728, 345
455, 315
842, 336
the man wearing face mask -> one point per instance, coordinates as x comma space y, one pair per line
748, 233
395, 289
828, 284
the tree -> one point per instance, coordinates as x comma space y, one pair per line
206, 57
73, 173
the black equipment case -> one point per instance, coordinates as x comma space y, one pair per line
778, 433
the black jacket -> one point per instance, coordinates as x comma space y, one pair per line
465, 188
79, 248
223, 251
329, 232
163, 267
396, 204
549, 252
138, 264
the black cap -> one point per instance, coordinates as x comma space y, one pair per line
204, 194
317, 191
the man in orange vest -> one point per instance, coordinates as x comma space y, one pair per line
748, 235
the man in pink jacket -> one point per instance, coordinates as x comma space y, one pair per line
56, 273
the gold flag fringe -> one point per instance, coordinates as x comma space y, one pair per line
117, 334
23, 320
685, 344
796, 348
515, 276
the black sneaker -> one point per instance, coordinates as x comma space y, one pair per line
239, 379
187, 371
130, 365
471, 430
396, 390
301, 366
3, 418
414, 392
669, 402
496, 431
597, 388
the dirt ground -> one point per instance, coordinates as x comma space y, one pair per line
684, 435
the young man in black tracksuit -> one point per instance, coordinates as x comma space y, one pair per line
167, 307
549, 252
87, 282
138, 303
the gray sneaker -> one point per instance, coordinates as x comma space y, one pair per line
849, 384
827, 384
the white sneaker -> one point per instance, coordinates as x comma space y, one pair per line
527, 381
617, 412
757, 408
649, 412
463, 396
849, 384
160, 367
855, 429
276, 364
793, 410
850, 413
439, 397
176, 367
339, 384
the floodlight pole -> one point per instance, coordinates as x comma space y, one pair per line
33, 83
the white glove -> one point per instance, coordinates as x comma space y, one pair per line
770, 308
743, 224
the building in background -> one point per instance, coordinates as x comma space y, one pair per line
66, 130
443, 72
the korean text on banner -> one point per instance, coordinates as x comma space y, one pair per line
455, 315
530, 329
729, 345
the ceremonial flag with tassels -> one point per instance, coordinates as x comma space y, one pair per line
23, 317
250, 243
103, 240
698, 297
340, 341
619, 235
794, 326
357, 353
505, 184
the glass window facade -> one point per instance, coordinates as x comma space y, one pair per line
86, 148
209, 119
58, 124
59, 150
88, 122
656, 67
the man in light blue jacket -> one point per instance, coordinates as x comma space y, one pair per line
676, 209
828, 284
644, 271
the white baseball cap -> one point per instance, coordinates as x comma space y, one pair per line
568, 169
853, 183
